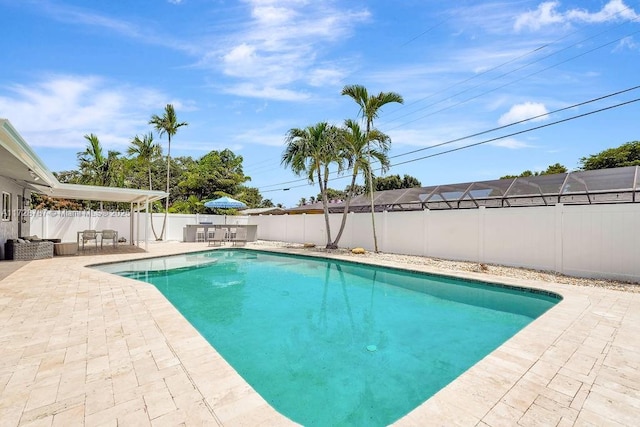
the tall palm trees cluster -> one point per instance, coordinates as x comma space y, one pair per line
313, 150
100, 170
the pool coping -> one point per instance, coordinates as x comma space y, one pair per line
577, 363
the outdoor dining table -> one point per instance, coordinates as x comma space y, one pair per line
189, 232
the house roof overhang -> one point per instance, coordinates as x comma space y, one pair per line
18, 162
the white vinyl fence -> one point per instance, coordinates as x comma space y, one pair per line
66, 224
598, 241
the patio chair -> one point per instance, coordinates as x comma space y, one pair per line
200, 235
89, 235
109, 235
219, 236
240, 236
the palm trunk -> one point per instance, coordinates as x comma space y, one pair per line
153, 229
346, 210
166, 205
373, 216
325, 205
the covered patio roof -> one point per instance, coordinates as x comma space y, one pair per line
18, 162
106, 194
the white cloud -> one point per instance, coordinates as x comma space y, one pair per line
510, 143
281, 47
132, 30
524, 111
272, 15
545, 15
325, 76
627, 43
251, 90
548, 13
615, 10
59, 111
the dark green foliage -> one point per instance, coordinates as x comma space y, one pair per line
551, 169
394, 182
627, 154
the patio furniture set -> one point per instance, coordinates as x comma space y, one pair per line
29, 248
32, 247
219, 235
87, 236
206, 232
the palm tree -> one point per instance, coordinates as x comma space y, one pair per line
370, 106
357, 150
146, 152
311, 151
92, 162
114, 169
168, 124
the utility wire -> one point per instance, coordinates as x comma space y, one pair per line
580, 104
506, 63
506, 84
517, 133
487, 140
260, 170
474, 135
428, 30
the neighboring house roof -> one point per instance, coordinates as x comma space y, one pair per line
263, 211
316, 208
21, 164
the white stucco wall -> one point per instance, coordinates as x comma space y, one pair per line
9, 229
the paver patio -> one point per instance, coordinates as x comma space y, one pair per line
83, 347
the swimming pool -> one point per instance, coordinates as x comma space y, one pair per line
329, 342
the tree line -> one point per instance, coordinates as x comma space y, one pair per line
380, 183
627, 154
188, 181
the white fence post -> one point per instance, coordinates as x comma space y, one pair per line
481, 217
557, 247
304, 228
425, 226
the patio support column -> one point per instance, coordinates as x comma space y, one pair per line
146, 224
131, 224
138, 226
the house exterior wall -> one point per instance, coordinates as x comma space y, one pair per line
9, 228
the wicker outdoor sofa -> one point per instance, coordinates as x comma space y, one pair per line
29, 250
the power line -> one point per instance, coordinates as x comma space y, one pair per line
518, 133
506, 84
510, 72
580, 104
428, 30
475, 135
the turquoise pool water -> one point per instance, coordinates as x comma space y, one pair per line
338, 343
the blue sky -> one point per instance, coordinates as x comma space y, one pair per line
242, 73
